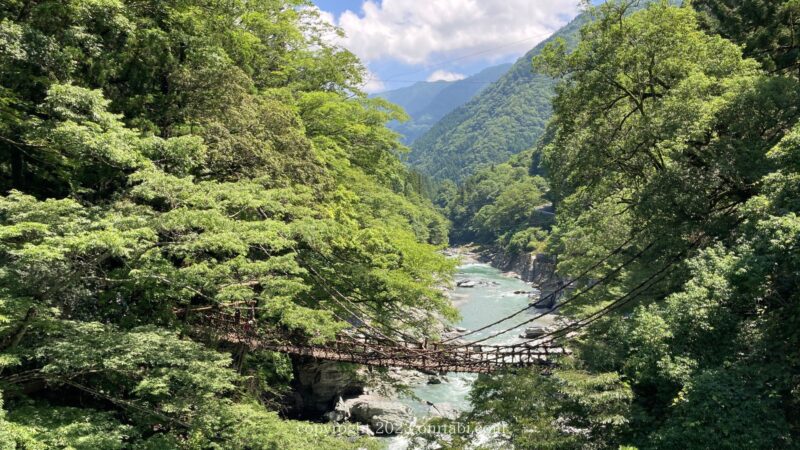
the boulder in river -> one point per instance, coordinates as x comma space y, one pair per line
383, 415
437, 379
444, 410
533, 332
466, 283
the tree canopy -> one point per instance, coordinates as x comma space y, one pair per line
159, 156
674, 141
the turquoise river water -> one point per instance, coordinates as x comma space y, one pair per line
491, 299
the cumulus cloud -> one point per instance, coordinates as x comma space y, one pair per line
372, 83
413, 31
444, 75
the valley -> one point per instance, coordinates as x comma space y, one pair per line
379, 224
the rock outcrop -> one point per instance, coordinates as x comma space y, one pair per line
318, 384
536, 268
444, 410
383, 415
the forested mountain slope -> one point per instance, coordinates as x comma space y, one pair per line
161, 158
673, 159
427, 102
499, 205
503, 119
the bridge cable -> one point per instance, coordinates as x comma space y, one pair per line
554, 293
369, 305
583, 323
381, 335
618, 303
607, 277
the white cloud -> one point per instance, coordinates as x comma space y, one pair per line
444, 75
325, 16
413, 31
372, 83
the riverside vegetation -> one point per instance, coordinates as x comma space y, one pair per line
158, 155
164, 155
675, 137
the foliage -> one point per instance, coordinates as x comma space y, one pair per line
499, 205
769, 30
669, 144
568, 409
504, 119
157, 156
427, 102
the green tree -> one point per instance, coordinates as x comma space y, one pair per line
497, 205
158, 156
769, 30
665, 137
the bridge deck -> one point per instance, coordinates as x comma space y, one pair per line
370, 351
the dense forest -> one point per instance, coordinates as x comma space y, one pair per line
506, 118
673, 163
427, 102
159, 156
164, 157
502, 205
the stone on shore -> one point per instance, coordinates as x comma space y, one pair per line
444, 410
383, 415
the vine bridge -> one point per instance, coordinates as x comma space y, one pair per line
374, 348
378, 351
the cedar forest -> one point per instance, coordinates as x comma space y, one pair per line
160, 156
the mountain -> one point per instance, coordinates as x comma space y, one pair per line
427, 102
503, 119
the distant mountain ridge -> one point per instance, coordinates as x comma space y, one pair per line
503, 119
428, 101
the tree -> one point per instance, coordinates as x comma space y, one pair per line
159, 157
670, 147
768, 30
497, 205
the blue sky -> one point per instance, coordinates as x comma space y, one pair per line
405, 41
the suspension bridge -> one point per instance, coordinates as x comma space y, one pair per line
367, 345
371, 350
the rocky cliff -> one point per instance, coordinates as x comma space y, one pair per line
319, 384
536, 268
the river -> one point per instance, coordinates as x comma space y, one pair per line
491, 299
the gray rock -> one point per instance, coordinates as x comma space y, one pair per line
407, 377
383, 415
320, 383
335, 416
365, 430
466, 283
533, 332
445, 410
387, 424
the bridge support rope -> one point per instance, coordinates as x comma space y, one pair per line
372, 351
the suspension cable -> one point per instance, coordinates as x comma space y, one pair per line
607, 277
555, 292
617, 303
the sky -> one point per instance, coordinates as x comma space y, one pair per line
405, 41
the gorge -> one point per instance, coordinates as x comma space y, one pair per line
213, 237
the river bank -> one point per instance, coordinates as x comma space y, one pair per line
494, 295
396, 401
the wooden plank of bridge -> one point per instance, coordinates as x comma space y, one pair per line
360, 349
